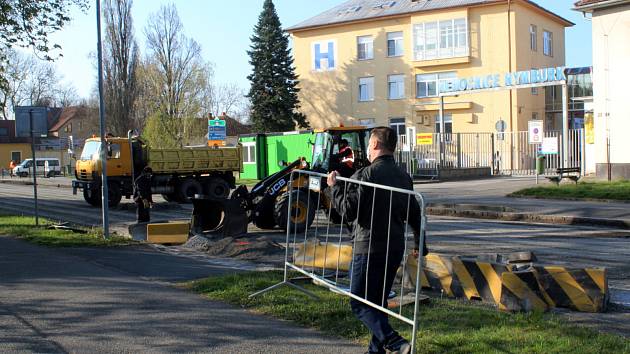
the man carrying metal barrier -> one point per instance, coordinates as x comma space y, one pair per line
379, 235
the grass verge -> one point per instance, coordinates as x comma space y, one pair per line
446, 326
23, 227
618, 190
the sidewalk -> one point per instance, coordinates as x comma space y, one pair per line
122, 300
486, 199
60, 182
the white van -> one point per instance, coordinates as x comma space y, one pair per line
46, 166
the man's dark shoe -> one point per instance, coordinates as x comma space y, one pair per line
398, 345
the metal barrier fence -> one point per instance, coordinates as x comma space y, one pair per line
516, 156
505, 153
321, 243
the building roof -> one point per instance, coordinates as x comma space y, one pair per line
360, 10
592, 4
67, 114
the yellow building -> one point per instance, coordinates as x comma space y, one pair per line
381, 62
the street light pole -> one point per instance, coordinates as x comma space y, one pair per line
101, 110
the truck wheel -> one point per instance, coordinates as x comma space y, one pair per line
114, 194
94, 199
23, 174
263, 214
188, 189
302, 211
217, 187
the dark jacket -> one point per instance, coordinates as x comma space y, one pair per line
142, 188
384, 171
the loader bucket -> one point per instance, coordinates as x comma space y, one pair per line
226, 217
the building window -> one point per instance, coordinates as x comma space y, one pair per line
366, 89
249, 153
398, 124
448, 123
533, 37
4, 132
367, 122
440, 39
16, 156
428, 85
396, 87
534, 115
324, 55
548, 43
68, 128
395, 44
80, 125
365, 48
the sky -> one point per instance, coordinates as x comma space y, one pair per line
223, 29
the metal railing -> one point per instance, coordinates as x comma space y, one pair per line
505, 153
326, 251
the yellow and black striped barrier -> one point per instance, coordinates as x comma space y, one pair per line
515, 288
581, 289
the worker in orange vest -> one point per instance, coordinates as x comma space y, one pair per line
11, 167
345, 157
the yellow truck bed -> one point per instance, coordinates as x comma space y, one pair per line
195, 160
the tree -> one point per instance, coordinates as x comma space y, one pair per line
30, 81
176, 74
27, 23
273, 92
120, 66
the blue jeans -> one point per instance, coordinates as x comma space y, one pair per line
377, 284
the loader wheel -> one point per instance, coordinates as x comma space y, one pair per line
217, 188
188, 189
263, 214
302, 211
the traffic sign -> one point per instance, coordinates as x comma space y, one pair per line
536, 133
217, 132
549, 146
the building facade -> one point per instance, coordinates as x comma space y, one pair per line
12, 148
611, 120
382, 62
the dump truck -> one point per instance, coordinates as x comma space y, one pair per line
178, 174
266, 205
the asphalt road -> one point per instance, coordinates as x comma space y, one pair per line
122, 301
564, 244
134, 278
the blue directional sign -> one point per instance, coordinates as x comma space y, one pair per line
217, 132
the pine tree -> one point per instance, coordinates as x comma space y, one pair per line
273, 91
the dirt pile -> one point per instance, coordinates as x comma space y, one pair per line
254, 248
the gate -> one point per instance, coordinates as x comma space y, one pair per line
506, 153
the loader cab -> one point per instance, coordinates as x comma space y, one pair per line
327, 145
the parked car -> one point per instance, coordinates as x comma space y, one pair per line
46, 166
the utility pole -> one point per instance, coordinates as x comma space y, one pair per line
30, 117
101, 111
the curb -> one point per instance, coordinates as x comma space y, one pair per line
529, 217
